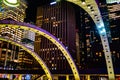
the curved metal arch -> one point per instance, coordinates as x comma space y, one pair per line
25, 26
35, 55
91, 7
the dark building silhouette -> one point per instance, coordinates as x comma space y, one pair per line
59, 20
114, 19
91, 46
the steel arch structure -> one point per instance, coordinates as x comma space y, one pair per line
91, 7
26, 26
35, 55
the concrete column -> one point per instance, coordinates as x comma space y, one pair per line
88, 77
8, 76
67, 77
20, 77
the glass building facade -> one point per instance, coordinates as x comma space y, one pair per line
59, 20
9, 53
13, 13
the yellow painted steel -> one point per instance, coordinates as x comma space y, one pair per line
91, 7
67, 77
40, 61
49, 37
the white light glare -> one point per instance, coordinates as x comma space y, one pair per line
99, 26
53, 3
12, 1
83, 2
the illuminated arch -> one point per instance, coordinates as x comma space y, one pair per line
91, 7
35, 55
47, 35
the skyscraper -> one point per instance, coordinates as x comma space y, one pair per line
114, 19
90, 37
90, 47
58, 19
10, 53
13, 13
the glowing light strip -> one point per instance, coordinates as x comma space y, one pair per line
112, 1
37, 58
11, 4
53, 3
47, 35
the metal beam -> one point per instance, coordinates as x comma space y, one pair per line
94, 11
25, 26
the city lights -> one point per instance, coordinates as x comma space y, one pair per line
65, 38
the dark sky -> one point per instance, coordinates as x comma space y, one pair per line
32, 7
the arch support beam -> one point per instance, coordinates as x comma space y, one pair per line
91, 7
25, 26
37, 58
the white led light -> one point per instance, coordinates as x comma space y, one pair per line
52, 3
83, 3
12, 1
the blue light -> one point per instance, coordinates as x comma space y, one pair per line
100, 26
52, 3
27, 77
103, 31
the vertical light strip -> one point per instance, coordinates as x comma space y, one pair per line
112, 1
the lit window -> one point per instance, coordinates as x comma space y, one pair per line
96, 53
53, 65
114, 52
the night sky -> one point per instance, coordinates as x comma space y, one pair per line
32, 9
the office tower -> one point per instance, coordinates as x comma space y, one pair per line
8, 55
58, 19
111, 17
22, 58
90, 47
91, 50
13, 13
16, 13
28, 39
114, 19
